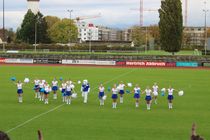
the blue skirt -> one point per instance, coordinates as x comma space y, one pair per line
114, 96
63, 90
136, 96
68, 93
54, 88
36, 87
148, 98
170, 97
46, 93
100, 95
121, 92
19, 91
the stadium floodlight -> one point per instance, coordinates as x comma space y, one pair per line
205, 24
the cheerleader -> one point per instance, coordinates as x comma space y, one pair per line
36, 88
101, 94
148, 97
54, 88
47, 90
69, 90
137, 92
170, 97
41, 90
155, 92
63, 90
19, 85
114, 96
121, 88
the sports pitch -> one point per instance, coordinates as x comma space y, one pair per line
80, 121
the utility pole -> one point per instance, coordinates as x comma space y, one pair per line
205, 24
90, 37
35, 35
70, 34
3, 28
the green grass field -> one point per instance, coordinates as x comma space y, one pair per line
91, 122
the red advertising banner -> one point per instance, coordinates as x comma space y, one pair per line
120, 63
2, 60
146, 64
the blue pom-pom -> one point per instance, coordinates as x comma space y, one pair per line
109, 89
61, 78
162, 94
128, 91
13, 79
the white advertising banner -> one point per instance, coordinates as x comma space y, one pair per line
19, 61
89, 62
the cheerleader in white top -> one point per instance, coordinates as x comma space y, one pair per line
41, 90
69, 90
101, 94
114, 96
36, 88
63, 90
19, 85
170, 97
47, 90
54, 88
155, 92
148, 97
121, 88
137, 92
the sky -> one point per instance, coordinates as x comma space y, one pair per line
114, 13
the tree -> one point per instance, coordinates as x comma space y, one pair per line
64, 31
51, 20
138, 36
26, 32
171, 25
208, 32
155, 33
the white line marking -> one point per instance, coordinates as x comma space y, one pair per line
38, 116
42, 114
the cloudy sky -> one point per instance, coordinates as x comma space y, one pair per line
114, 13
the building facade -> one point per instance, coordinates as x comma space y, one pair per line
194, 36
88, 31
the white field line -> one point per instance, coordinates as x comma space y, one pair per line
53, 109
28, 121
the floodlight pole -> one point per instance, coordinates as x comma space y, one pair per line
3, 27
205, 24
70, 34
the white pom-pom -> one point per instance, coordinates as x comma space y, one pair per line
26, 80
129, 84
181, 93
50, 89
60, 89
104, 97
163, 89
74, 95
79, 82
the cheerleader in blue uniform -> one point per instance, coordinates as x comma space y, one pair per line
121, 88
63, 90
69, 90
137, 91
41, 90
170, 97
148, 97
36, 88
19, 85
47, 90
114, 96
85, 89
54, 88
101, 94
